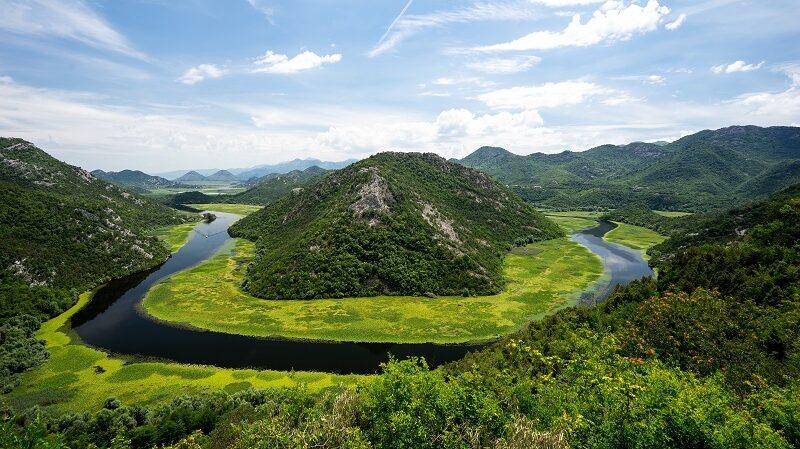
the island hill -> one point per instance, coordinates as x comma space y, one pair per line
394, 223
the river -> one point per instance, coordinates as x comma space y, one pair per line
113, 321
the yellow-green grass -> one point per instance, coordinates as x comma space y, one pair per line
572, 224
668, 213
635, 237
238, 209
208, 296
77, 377
174, 237
576, 213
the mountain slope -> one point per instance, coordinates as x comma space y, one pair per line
133, 178
260, 171
62, 227
190, 177
222, 175
395, 223
709, 169
275, 186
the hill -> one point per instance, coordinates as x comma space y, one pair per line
275, 186
191, 176
222, 175
61, 227
395, 223
133, 178
709, 169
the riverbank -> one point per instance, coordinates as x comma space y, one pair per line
208, 296
78, 378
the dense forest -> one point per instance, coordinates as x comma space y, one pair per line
394, 223
62, 231
703, 171
706, 356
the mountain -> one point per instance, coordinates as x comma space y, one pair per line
133, 178
275, 186
709, 169
260, 171
62, 227
222, 175
395, 223
191, 176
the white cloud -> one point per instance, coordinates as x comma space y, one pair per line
504, 65
201, 72
548, 95
737, 66
467, 80
68, 19
675, 24
646, 79
614, 21
273, 62
263, 8
405, 26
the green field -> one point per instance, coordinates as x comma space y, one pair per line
671, 214
78, 378
576, 213
238, 209
208, 297
175, 236
572, 224
635, 237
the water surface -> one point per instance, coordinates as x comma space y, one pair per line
113, 321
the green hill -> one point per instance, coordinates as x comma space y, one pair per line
134, 178
62, 227
395, 223
706, 170
278, 185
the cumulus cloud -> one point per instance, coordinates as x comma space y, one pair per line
675, 24
737, 66
514, 64
69, 19
199, 73
646, 79
273, 62
614, 21
548, 95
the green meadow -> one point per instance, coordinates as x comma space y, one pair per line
175, 237
238, 209
572, 224
540, 282
77, 377
671, 214
635, 237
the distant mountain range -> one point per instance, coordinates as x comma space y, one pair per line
134, 178
706, 170
258, 171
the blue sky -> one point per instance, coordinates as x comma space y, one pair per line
160, 85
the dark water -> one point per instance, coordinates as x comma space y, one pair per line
113, 322
622, 264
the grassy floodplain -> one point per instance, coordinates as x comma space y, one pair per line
572, 224
635, 237
175, 237
77, 377
238, 209
208, 297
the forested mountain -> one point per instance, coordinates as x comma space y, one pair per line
709, 169
274, 186
134, 178
191, 176
395, 223
261, 171
62, 231
222, 175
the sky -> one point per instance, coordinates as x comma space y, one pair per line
162, 85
